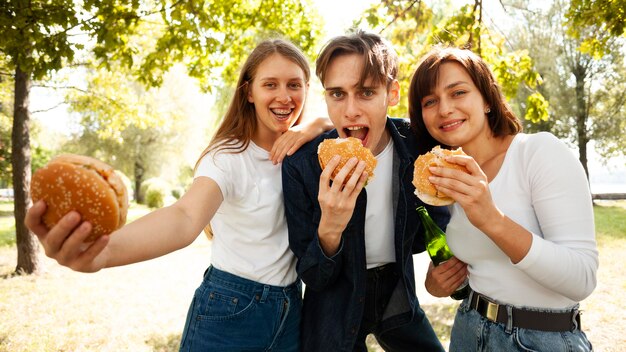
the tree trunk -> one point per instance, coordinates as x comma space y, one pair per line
139, 171
581, 117
27, 244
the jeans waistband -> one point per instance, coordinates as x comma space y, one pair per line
246, 285
380, 270
524, 318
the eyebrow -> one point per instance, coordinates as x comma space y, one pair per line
454, 84
270, 78
355, 86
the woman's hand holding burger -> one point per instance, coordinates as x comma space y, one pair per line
469, 186
65, 241
78, 202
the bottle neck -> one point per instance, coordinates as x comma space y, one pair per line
431, 230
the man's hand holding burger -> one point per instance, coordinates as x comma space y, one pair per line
347, 166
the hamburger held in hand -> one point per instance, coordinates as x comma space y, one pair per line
346, 148
89, 186
424, 189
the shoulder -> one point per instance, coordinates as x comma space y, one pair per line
224, 156
544, 157
403, 137
403, 126
543, 144
538, 139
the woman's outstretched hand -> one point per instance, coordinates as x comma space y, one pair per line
64, 241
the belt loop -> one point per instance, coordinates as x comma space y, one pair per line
509, 321
266, 291
576, 319
470, 297
207, 272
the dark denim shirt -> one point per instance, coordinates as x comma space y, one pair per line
335, 287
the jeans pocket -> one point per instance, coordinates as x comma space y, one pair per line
223, 304
566, 341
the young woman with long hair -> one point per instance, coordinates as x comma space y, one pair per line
250, 298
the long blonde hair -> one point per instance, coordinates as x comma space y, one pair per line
239, 123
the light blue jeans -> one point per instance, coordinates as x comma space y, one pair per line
230, 313
473, 332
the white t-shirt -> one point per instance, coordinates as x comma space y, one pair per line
250, 230
379, 219
542, 187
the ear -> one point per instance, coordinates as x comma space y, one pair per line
248, 92
393, 97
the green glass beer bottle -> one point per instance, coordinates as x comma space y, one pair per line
437, 248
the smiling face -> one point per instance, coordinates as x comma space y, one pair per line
454, 112
359, 112
278, 92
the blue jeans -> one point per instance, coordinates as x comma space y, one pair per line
230, 313
473, 332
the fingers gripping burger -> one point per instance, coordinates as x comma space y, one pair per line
86, 185
424, 189
346, 148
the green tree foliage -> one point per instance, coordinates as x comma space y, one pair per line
596, 23
414, 28
137, 130
586, 93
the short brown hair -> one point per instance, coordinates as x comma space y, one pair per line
502, 120
380, 62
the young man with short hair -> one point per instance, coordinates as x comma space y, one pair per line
354, 242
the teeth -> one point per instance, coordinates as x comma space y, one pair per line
281, 111
452, 124
354, 128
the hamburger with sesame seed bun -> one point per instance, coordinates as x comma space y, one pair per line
424, 189
346, 148
87, 185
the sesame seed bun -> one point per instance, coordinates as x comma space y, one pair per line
89, 186
346, 148
424, 189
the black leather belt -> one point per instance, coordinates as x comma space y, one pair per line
381, 270
524, 318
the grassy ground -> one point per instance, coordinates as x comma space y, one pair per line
142, 307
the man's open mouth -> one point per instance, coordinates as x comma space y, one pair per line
359, 132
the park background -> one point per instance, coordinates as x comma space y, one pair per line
149, 111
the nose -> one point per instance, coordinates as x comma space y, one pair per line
446, 107
284, 97
352, 108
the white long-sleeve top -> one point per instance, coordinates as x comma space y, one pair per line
542, 187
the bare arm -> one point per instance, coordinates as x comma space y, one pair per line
158, 233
